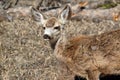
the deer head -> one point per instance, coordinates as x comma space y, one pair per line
53, 27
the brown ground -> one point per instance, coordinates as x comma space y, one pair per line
24, 55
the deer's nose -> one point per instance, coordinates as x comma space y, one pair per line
45, 36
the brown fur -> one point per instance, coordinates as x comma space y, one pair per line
51, 22
90, 56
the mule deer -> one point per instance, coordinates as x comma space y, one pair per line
86, 56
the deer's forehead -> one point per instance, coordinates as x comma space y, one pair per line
51, 22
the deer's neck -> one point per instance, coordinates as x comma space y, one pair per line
61, 43
58, 42
62, 40
53, 43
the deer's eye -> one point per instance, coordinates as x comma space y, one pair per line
57, 27
44, 28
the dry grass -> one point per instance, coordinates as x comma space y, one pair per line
24, 55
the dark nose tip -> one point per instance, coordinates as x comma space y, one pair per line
45, 36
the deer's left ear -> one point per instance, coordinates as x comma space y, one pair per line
65, 14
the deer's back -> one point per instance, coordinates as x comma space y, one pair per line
93, 52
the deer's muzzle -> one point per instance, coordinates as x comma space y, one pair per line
45, 36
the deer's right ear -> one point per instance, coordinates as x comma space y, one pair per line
65, 14
37, 16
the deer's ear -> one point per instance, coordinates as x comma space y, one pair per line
65, 14
37, 16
